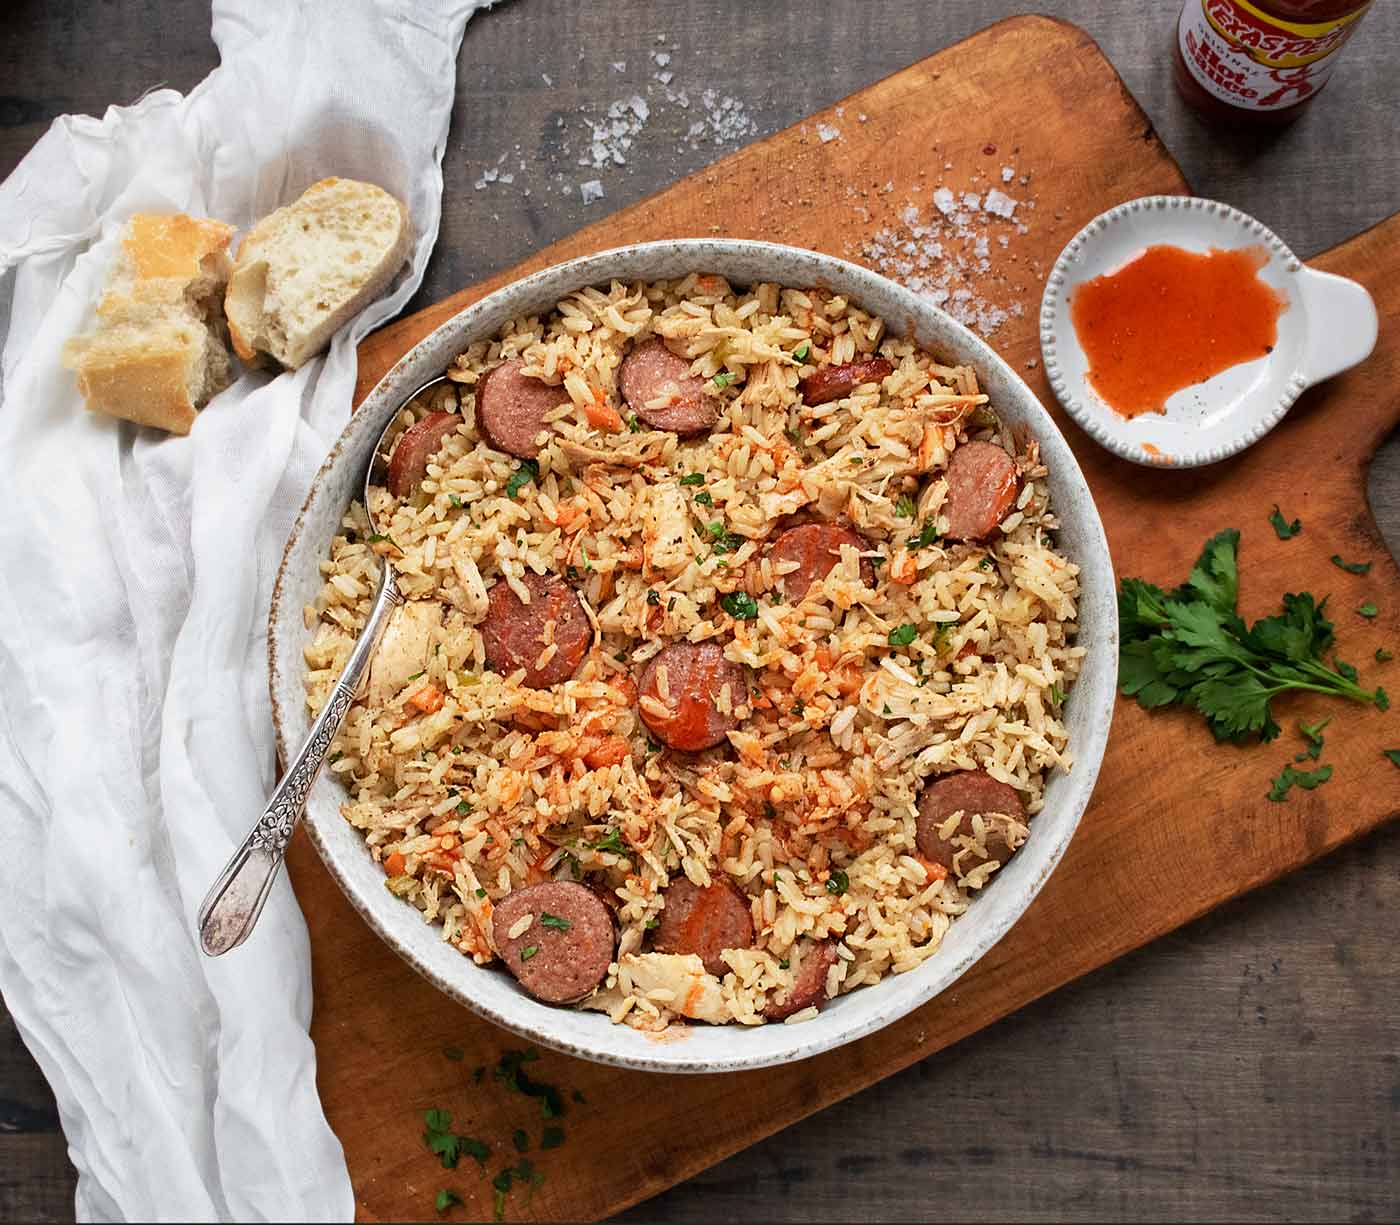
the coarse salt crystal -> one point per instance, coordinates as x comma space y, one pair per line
662, 58
546, 78
999, 204
971, 200
827, 133
591, 190
1007, 174
943, 200
619, 65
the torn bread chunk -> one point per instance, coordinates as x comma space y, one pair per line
158, 353
309, 267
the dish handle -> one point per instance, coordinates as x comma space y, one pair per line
1342, 324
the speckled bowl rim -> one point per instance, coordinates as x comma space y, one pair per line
1088, 711
1050, 342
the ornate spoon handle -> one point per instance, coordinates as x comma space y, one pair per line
232, 906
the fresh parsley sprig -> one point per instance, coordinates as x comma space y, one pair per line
1190, 647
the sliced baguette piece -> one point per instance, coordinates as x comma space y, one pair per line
158, 353
307, 268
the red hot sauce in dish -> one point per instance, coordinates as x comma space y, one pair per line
1171, 318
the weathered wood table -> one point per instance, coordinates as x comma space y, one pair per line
1244, 1067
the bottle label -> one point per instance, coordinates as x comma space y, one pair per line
1260, 63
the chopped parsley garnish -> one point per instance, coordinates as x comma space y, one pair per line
522, 476
704, 499
794, 435
1306, 779
1383, 656
1312, 733
784, 963
447, 1144
553, 920
800, 353
1057, 694
798, 707
1282, 528
510, 1071
551, 1137
632, 423
739, 605
1190, 647
444, 1200
928, 534
723, 379
377, 537
1368, 609
1393, 755
653, 597
768, 810
335, 757
454, 1053
529, 951
578, 1097
457, 503
463, 808
612, 841
481, 893
1351, 567
885, 710
904, 506
838, 882
524, 1171
521, 1140
693, 478
415, 676
903, 635
621, 656
652, 924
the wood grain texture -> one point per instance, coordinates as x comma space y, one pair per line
1242, 1068
1151, 854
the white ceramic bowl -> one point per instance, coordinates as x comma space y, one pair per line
491, 992
1328, 325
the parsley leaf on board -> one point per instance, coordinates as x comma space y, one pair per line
447, 1144
1383, 656
1306, 779
1351, 567
1282, 528
1190, 647
1394, 755
1368, 609
1312, 733
445, 1199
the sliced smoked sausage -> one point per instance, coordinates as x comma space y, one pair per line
516, 633
816, 548
809, 984
982, 489
511, 408
704, 921
687, 712
416, 446
567, 947
834, 382
969, 792
659, 388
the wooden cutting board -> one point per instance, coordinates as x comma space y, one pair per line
1178, 824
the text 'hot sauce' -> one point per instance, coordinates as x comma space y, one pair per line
1171, 318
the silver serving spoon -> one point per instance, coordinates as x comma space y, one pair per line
233, 904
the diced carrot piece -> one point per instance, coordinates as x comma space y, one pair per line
602, 415
427, 700
608, 751
394, 864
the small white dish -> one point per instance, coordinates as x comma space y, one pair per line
1328, 325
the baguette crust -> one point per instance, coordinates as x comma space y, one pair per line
157, 355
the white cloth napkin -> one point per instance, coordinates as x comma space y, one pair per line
135, 576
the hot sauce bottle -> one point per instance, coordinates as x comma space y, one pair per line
1259, 61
